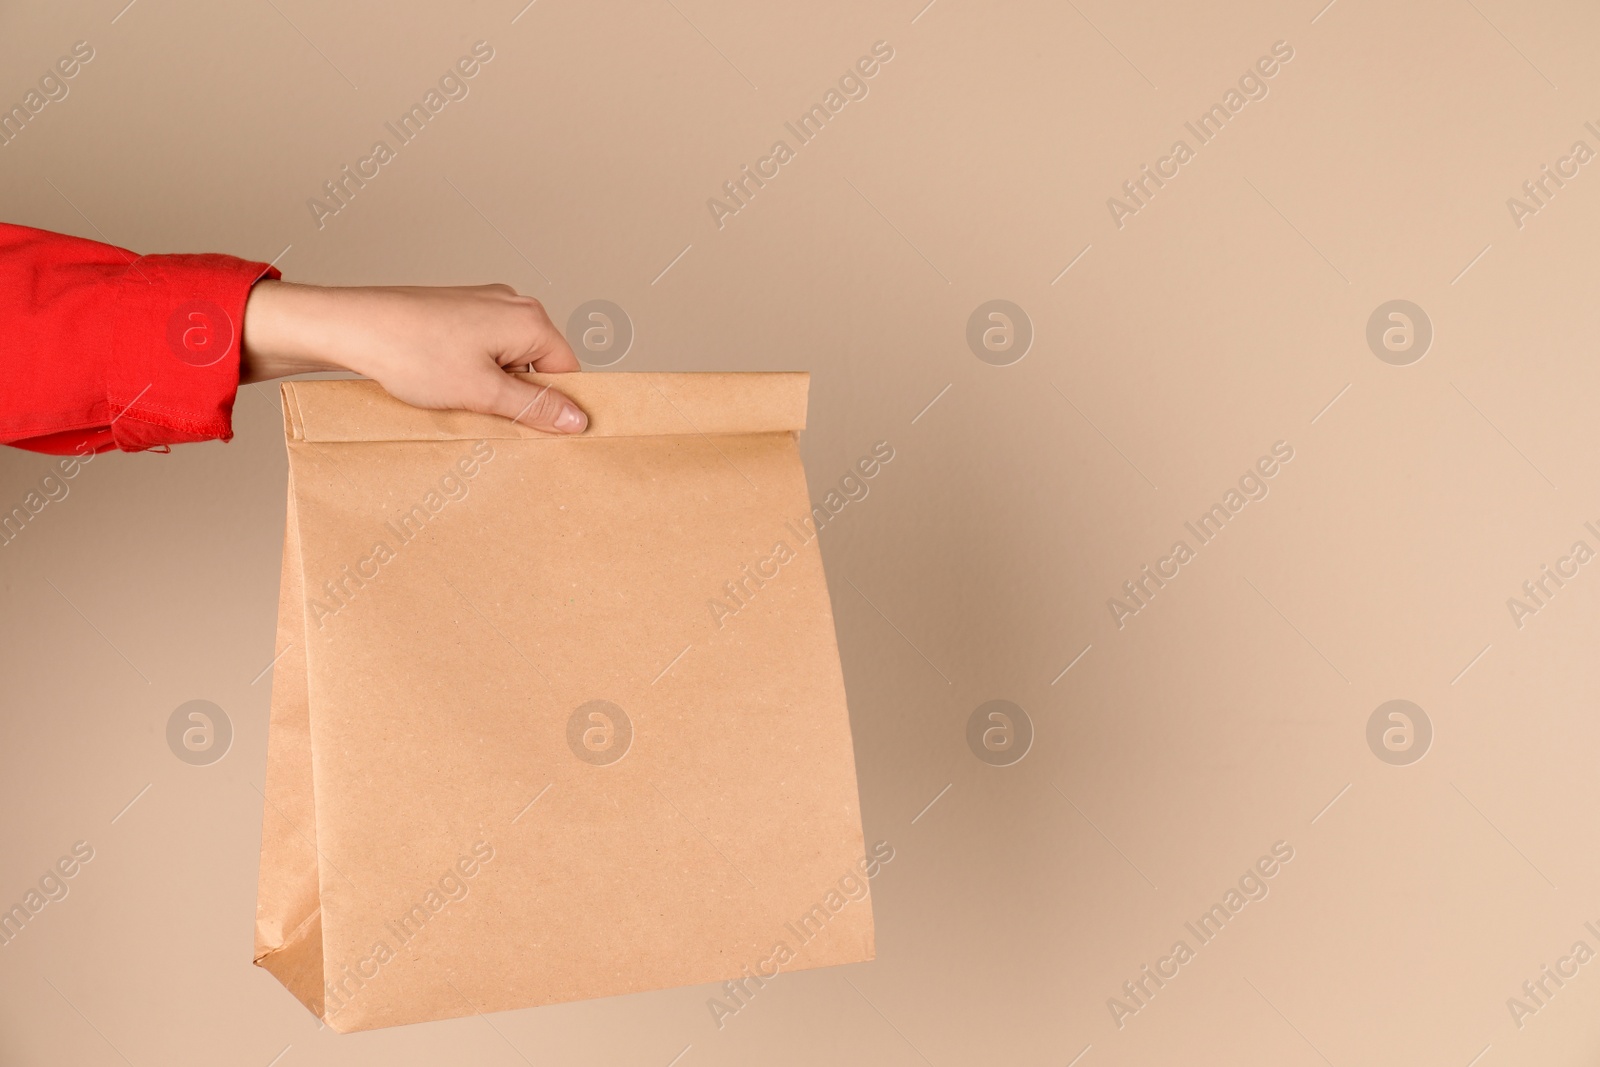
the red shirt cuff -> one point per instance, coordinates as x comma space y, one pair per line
177, 329
102, 350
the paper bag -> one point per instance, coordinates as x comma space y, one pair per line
554, 717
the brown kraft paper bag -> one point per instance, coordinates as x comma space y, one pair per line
554, 717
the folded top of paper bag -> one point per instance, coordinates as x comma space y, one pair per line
618, 405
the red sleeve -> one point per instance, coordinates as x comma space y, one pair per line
102, 349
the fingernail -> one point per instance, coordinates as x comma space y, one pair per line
571, 420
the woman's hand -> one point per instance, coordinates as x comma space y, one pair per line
431, 347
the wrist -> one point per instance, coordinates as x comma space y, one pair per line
281, 335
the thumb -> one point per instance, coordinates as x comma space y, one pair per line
538, 406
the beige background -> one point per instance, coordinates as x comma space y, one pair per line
1222, 318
